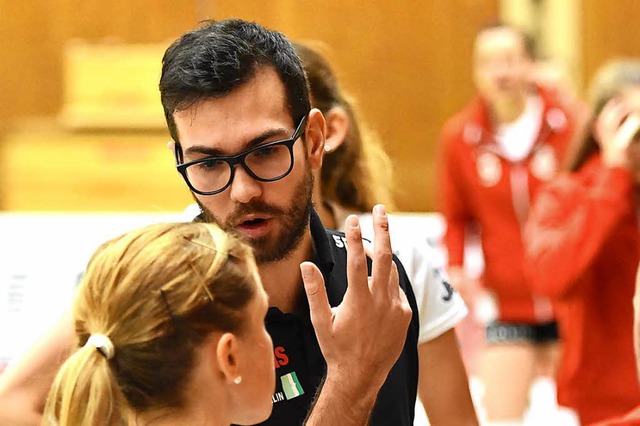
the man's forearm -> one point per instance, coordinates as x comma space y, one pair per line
341, 401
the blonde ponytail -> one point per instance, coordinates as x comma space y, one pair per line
153, 295
84, 390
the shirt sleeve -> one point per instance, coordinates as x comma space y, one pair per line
452, 198
571, 219
440, 307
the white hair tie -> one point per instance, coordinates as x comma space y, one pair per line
103, 344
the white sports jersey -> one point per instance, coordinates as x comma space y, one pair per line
440, 307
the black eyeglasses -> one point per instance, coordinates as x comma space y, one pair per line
267, 163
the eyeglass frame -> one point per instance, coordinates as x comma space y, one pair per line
233, 160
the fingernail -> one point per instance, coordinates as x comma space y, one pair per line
352, 221
306, 270
310, 286
379, 210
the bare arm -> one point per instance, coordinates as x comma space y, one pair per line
363, 337
24, 385
443, 386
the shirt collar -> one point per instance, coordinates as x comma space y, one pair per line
323, 258
323, 255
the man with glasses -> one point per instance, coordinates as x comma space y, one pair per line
246, 140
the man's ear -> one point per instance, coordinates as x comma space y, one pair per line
227, 357
315, 134
337, 127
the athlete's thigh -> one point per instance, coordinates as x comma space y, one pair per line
507, 369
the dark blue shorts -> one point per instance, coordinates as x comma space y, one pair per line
507, 332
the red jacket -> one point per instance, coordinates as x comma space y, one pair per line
631, 419
480, 186
583, 250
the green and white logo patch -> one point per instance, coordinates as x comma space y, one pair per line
291, 385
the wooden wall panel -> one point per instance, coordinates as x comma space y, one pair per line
46, 169
408, 63
28, 63
609, 30
33, 33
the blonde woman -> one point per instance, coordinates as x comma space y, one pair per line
170, 329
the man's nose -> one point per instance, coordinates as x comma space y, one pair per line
244, 187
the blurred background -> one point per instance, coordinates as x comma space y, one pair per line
83, 153
81, 127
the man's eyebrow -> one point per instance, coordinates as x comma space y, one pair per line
217, 152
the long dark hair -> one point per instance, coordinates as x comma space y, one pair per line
358, 174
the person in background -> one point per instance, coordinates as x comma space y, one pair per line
170, 330
583, 248
355, 175
495, 155
246, 142
631, 418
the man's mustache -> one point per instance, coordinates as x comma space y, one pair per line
254, 207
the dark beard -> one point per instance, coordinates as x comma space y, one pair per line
294, 221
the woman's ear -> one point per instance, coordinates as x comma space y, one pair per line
315, 134
337, 127
227, 356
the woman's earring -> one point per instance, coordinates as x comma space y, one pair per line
327, 148
237, 380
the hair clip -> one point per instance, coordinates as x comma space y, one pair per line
198, 243
201, 244
163, 295
202, 282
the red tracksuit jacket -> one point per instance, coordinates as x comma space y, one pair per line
631, 419
479, 185
583, 250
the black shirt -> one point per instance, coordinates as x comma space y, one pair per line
300, 366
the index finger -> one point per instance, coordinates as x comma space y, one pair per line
382, 254
319, 308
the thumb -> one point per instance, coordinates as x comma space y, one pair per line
319, 308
